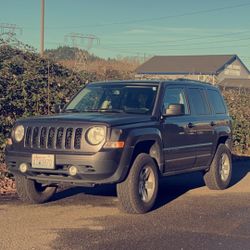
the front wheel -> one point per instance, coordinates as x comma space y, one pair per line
137, 194
219, 175
33, 192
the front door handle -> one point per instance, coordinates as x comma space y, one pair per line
190, 125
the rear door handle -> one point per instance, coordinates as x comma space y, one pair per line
190, 125
212, 123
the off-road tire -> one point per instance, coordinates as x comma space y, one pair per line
128, 191
32, 192
213, 178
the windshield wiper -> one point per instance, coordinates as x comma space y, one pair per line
105, 110
71, 111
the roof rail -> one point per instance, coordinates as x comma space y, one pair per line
192, 81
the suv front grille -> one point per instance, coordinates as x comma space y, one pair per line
53, 138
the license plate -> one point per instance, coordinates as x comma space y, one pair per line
43, 161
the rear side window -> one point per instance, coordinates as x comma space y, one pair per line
198, 102
216, 101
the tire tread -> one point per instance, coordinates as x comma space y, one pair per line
211, 177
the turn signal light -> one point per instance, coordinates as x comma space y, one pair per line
114, 144
9, 141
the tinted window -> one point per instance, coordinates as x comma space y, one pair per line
216, 101
197, 102
175, 96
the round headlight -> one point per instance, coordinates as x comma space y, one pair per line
19, 133
95, 135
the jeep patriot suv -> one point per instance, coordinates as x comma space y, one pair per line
129, 133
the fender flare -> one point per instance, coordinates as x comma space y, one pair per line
147, 134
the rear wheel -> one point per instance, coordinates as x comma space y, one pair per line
220, 172
137, 194
33, 192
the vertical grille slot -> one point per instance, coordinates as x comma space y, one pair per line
51, 137
68, 138
35, 138
78, 138
28, 137
59, 138
43, 137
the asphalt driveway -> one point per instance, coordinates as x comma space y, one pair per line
187, 216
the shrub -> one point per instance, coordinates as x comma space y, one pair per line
238, 103
24, 91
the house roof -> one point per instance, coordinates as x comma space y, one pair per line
235, 83
203, 64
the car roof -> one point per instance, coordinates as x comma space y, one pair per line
144, 82
157, 82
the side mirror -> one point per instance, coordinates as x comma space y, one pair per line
58, 108
175, 109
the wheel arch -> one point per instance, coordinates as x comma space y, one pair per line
147, 141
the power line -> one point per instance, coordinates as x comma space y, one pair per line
182, 49
129, 52
187, 39
152, 19
166, 43
190, 44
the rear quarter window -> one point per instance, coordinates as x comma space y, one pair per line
216, 101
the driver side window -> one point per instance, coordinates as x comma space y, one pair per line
175, 96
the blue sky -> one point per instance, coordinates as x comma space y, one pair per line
138, 27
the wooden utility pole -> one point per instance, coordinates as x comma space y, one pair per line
42, 28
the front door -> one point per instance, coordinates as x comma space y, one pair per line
178, 132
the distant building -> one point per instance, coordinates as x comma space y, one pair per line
226, 70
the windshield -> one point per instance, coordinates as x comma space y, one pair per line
114, 98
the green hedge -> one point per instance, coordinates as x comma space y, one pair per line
24, 86
238, 102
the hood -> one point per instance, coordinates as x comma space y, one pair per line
113, 119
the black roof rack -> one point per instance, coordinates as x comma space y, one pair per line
192, 81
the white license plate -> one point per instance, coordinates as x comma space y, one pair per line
43, 161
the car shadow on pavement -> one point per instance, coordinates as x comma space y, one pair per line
170, 188
241, 167
103, 190
173, 187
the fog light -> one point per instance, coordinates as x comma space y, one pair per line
23, 167
73, 170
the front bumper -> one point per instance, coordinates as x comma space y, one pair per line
109, 166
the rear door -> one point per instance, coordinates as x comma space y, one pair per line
178, 136
201, 113
220, 120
